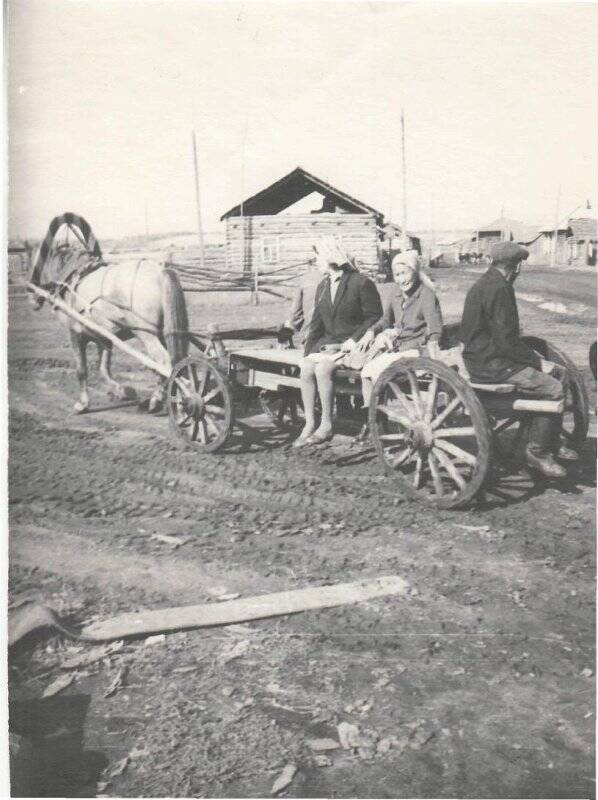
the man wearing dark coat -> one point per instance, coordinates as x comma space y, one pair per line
494, 352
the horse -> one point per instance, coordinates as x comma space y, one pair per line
135, 298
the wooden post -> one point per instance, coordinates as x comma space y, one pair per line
197, 203
404, 170
556, 228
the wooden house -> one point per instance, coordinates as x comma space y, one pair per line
277, 228
582, 243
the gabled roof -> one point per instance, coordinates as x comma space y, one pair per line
293, 187
513, 227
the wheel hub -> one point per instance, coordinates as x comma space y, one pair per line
420, 436
195, 406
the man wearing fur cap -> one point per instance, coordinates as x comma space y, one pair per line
494, 352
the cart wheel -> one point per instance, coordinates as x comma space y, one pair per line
199, 404
576, 418
284, 409
430, 431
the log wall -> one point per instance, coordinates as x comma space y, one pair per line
291, 238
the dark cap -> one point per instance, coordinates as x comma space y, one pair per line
508, 253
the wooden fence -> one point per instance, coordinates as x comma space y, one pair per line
196, 278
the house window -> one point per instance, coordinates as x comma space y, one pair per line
270, 250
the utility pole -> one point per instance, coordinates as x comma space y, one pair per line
202, 253
404, 171
556, 227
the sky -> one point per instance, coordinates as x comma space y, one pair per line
500, 104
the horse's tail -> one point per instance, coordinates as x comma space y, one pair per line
176, 322
91, 244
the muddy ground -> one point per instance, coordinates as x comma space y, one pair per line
479, 683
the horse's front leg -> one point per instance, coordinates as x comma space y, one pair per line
115, 389
79, 345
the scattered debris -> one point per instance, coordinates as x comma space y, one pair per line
228, 691
474, 528
135, 754
586, 672
384, 745
173, 541
117, 682
118, 768
284, 779
348, 735
322, 745
93, 655
420, 734
322, 761
237, 651
229, 596
185, 670
160, 638
58, 685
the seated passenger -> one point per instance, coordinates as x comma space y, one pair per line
302, 307
494, 352
346, 304
411, 321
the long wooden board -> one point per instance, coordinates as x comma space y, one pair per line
166, 620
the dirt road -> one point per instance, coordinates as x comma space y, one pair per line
479, 684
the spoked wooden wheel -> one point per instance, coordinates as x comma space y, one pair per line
576, 418
283, 408
199, 404
430, 431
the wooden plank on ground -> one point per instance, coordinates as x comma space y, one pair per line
166, 620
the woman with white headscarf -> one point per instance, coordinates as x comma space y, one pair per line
411, 321
346, 305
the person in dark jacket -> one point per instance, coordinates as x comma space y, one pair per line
346, 305
494, 352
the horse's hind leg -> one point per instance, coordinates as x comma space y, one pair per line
79, 344
156, 350
115, 389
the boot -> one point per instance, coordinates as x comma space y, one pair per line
538, 453
545, 464
559, 448
566, 454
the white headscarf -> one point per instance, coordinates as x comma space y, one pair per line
411, 259
332, 251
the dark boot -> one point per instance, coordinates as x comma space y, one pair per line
538, 453
560, 450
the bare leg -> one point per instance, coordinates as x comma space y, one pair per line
324, 373
308, 395
114, 387
79, 345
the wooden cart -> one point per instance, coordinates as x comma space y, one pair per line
434, 431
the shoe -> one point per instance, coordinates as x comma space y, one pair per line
545, 464
567, 454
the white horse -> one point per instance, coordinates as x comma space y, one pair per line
137, 298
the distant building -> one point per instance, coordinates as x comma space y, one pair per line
576, 243
502, 230
278, 226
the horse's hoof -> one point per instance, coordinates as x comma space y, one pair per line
79, 408
155, 406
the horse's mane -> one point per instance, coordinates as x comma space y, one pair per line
63, 261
